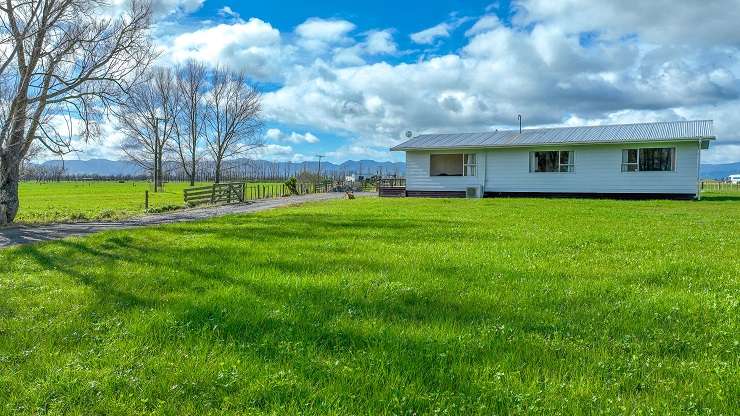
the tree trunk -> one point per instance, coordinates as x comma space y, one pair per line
9, 177
218, 171
192, 170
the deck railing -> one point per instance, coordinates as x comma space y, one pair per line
392, 187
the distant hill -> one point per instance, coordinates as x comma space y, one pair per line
101, 167
362, 167
720, 171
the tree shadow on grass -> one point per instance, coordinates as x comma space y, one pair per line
106, 291
428, 337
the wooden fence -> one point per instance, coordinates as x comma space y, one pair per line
216, 193
241, 191
713, 186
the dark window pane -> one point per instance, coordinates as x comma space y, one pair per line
546, 161
564, 158
656, 159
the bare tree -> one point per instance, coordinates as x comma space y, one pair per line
61, 64
233, 118
148, 121
190, 123
26, 167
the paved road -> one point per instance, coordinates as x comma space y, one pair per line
22, 234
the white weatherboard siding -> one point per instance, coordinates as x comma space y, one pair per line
598, 169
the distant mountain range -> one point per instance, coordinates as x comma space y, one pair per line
720, 171
100, 167
104, 167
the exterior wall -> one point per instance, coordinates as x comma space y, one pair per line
418, 179
598, 170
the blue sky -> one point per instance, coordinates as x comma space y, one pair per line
346, 79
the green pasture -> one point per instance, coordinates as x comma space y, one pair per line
48, 202
384, 306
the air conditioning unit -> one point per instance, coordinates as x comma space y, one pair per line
474, 192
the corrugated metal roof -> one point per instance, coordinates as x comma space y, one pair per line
617, 133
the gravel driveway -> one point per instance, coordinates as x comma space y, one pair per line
29, 234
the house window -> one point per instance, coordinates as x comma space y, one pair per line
655, 159
552, 161
457, 164
469, 166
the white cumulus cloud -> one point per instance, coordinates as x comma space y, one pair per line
253, 46
428, 36
278, 135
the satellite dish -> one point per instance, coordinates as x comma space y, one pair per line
409, 134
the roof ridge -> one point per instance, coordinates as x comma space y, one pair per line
570, 127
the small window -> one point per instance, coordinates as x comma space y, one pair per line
458, 164
469, 166
656, 159
629, 160
552, 161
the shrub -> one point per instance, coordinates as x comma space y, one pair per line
292, 185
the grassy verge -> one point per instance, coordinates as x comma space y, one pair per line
384, 306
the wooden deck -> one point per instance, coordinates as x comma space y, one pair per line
392, 188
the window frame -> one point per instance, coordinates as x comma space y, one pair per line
468, 165
570, 166
636, 164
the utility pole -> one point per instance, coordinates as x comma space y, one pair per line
320, 157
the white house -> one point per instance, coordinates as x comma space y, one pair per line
647, 160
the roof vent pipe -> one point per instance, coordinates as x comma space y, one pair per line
520, 123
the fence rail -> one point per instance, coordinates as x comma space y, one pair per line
392, 183
712, 186
216, 193
244, 191
392, 187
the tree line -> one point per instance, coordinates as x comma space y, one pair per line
188, 114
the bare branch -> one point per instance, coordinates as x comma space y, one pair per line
60, 60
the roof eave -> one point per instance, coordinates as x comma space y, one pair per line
402, 148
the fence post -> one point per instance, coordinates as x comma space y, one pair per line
146, 199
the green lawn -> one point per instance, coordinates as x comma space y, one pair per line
372, 306
84, 201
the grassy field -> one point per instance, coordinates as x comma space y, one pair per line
84, 201
380, 306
